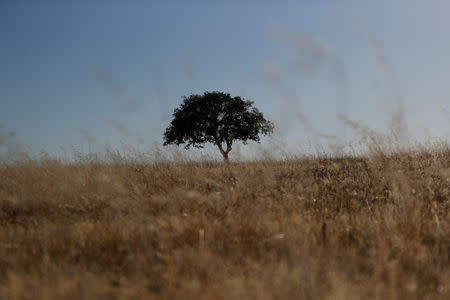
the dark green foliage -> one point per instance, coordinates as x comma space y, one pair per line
217, 118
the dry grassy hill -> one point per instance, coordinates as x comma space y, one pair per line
349, 228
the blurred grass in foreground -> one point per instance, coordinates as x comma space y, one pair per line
375, 226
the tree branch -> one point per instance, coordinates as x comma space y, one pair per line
229, 144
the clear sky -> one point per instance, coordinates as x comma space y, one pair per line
95, 73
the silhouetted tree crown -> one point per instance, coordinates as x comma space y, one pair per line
217, 118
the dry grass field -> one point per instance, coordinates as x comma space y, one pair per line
374, 227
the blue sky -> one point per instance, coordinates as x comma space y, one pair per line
95, 73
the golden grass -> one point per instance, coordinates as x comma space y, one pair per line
348, 228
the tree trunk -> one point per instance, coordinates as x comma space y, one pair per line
225, 157
224, 152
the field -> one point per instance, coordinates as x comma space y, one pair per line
376, 226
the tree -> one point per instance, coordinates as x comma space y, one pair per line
216, 118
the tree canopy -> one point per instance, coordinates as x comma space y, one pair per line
216, 118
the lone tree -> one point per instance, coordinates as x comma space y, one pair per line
216, 118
